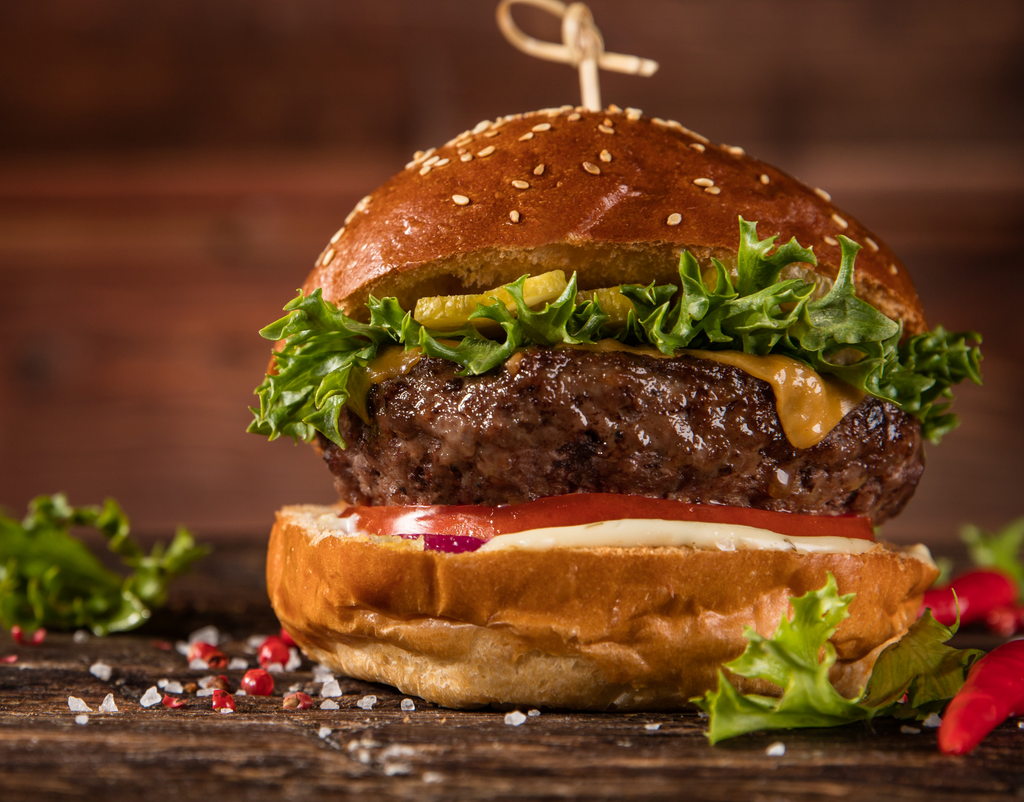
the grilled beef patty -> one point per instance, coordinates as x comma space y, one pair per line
556, 421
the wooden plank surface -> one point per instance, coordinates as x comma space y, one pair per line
262, 751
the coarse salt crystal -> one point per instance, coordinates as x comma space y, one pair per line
253, 642
77, 705
173, 687
82, 718
329, 705
225, 710
324, 732
108, 705
392, 769
432, 777
275, 668
533, 713
80, 636
652, 727
366, 703
777, 749
294, 660
100, 670
205, 692
330, 689
408, 705
150, 697
240, 693
198, 665
208, 634
181, 647
933, 720
515, 718
1020, 725
910, 730
322, 673
238, 664
208, 681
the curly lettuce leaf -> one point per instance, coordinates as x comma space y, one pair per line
321, 365
48, 578
797, 659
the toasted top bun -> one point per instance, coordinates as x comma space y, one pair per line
614, 196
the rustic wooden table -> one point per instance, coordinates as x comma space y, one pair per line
262, 751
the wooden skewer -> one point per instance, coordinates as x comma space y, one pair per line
582, 46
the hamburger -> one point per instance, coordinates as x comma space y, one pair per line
597, 395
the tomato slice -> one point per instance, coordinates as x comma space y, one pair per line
587, 508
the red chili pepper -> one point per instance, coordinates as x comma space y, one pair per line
222, 700
24, 639
173, 701
208, 653
297, 701
273, 650
1007, 620
289, 641
977, 592
10, 659
994, 691
258, 682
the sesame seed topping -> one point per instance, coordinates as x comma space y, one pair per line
839, 221
442, 162
658, 121
527, 135
765, 179
871, 244
893, 269
541, 127
410, 164
351, 216
466, 157
605, 129
831, 241
520, 184
431, 160
538, 170
481, 126
327, 256
712, 190
428, 152
606, 156
676, 125
703, 182
674, 219
489, 134
822, 193
419, 154
633, 114
513, 216
697, 147
573, 117
613, 109
460, 200
486, 151
735, 150
337, 235
426, 169
608, 122
591, 168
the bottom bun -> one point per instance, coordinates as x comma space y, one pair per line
587, 629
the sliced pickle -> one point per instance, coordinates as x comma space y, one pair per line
614, 304
453, 311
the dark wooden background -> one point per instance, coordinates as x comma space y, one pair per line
170, 169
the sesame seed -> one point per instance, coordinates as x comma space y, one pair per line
426, 169
538, 170
574, 117
431, 160
633, 114
604, 129
410, 164
419, 154
674, 219
486, 151
541, 127
513, 216
481, 126
489, 134
712, 190
327, 256
703, 182
765, 179
871, 244
606, 156
676, 126
608, 122
527, 135
831, 241
428, 152
591, 168
893, 269
520, 184
337, 235
822, 193
735, 150
351, 216
697, 147
441, 163
466, 157
460, 151
460, 200
658, 121
839, 221
613, 109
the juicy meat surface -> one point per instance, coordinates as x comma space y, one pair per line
555, 421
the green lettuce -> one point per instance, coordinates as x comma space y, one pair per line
797, 659
48, 578
1000, 550
317, 371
